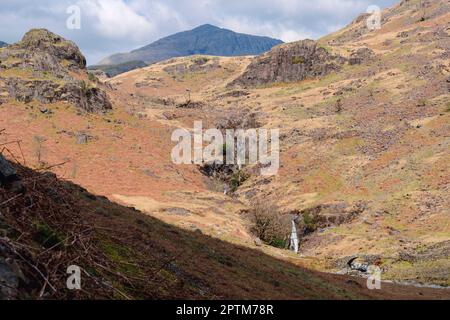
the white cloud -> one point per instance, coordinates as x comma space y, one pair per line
110, 26
115, 19
267, 28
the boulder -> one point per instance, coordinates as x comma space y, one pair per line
82, 138
8, 177
7, 172
358, 264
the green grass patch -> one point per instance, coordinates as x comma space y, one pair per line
121, 256
298, 60
46, 236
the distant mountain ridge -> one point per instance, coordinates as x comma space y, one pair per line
3, 44
206, 39
116, 69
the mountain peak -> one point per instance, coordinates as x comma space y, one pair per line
205, 39
207, 26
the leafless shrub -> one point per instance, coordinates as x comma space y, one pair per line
38, 148
268, 224
238, 120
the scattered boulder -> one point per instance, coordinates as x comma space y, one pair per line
197, 65
290, 62
177, 212
258, 242
235, 94
46, 111
361, 55
326, 215
83, 138
191, 105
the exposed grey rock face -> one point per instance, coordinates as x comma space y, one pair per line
327, 215
360, 56
291, 62
41, 68
43, 51
90, 99
47, 42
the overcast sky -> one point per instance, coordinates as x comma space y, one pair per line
111, 26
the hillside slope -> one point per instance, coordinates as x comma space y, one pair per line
364, 157
52, 224
205, 39
364, 144
112, 70
366, 147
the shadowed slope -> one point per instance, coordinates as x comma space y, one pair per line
127, 255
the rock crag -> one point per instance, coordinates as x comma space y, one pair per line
47, 68
291, 62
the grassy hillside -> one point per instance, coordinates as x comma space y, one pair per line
364, 162
125, 254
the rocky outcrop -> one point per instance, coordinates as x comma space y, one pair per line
43, 51
360, 56
47, 68
327, 215
291, 62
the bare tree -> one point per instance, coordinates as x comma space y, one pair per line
38, 148
268, 224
